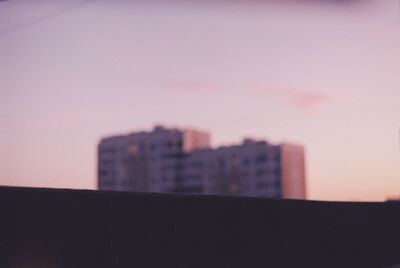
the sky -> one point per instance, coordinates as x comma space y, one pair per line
324, 74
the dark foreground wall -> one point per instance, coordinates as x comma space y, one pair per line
64, 228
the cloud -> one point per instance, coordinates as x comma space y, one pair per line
305, 101
310, 101
302, 100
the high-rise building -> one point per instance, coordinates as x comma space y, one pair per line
182, 161
146, 161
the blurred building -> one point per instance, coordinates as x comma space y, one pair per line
182, 161
146, 161
393, 199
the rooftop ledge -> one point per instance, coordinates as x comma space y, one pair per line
82, 228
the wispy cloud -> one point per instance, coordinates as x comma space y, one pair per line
306, 101
311, 101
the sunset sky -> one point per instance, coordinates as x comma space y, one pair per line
325, 75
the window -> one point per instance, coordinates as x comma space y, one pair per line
277, 156
221, 163
261, 158
132, 149
179, 145
277, 171
261, 172
277, 184
246, 162
107, 151
263, 184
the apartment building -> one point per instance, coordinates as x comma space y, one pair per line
182, 161
146, 161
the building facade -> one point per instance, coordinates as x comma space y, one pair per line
182, 161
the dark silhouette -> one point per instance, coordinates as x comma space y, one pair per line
69, 228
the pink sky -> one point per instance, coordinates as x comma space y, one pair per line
323, 75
